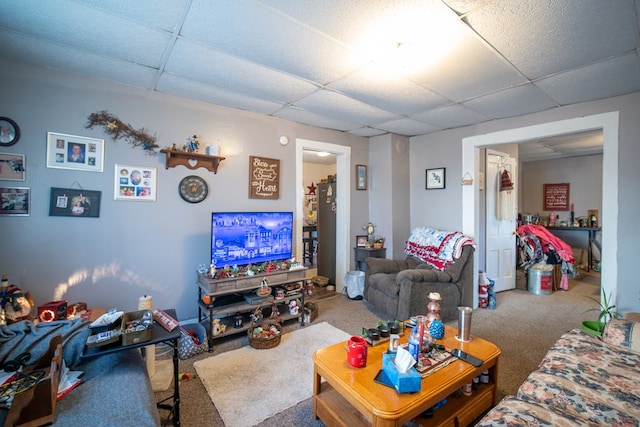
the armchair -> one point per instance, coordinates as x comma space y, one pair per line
400, 288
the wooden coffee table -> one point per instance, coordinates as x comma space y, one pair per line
350, 397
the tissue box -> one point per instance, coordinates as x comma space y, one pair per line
407, 382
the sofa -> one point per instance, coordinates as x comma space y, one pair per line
400, 288
582, 381
116, 390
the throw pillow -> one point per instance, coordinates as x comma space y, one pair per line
622, 333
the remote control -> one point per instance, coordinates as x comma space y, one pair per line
467, 357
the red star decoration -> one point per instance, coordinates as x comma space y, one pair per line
312, 189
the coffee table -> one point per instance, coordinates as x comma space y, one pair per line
349, 397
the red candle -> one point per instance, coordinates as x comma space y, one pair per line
571, 207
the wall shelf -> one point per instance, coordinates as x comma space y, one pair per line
191, 160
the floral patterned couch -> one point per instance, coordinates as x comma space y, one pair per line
582, 381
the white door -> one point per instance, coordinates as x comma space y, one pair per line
500, 240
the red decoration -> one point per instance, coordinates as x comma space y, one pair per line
312, 189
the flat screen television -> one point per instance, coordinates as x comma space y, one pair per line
241, 238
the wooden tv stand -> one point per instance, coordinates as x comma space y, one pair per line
227, 299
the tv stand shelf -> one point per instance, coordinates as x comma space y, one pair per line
228, 303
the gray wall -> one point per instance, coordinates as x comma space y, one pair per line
134, 248
442, 208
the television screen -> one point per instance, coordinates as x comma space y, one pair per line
240, 238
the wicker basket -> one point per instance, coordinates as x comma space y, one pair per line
310, 312
320, 280
260, 342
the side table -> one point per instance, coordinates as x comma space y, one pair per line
158, 335
361, 254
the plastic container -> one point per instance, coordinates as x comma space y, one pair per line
355, 283
540, 279
414, 344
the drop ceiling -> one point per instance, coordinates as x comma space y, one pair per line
322, 62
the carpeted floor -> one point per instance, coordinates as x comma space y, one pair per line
523, 325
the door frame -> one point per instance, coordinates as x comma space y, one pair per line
608, 123
513, 166
343, 197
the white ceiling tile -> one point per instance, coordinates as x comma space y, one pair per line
392, 94
164, 14
195, 90
472, 69
302, 116
88, 29
367, 132
256, 33
544, 37
611, 78
451, 116
515, 101
60, 57
338, 106
220, 69
407, 127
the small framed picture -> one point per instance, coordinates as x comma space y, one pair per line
361, 241
435, 178
361, 177
74, 152
135, 183
74, 202
12, 167
15, 201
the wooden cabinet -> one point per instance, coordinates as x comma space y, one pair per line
228, 303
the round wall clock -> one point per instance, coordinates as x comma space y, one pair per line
193, 189
9, 132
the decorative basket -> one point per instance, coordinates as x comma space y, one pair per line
265, 340
310, 312
320, 280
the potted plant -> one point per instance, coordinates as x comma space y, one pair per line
378, 242
606, 311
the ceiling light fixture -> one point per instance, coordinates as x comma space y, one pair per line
323, 154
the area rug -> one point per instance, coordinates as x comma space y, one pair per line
248, 385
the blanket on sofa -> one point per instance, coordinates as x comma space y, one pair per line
24, 336
436, 248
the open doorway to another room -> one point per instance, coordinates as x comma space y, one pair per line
319, 169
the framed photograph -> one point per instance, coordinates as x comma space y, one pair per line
74, 152
74, 202
135, 183
361, 177
361, 241
12, 167
15, 201
435, 178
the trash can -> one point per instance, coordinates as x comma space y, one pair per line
355, 284
540, 279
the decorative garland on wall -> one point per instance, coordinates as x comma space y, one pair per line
117, 129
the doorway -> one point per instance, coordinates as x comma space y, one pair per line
608, 123
343, 197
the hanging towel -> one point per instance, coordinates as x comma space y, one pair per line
506, 208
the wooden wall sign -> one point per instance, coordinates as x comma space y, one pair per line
264, 178
556, 197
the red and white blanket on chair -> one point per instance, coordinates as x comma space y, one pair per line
437, 248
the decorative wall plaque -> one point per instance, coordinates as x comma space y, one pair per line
556, 197
264, 178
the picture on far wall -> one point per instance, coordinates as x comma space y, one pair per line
74, 202
135, 183
436, 178
74, 152
12, 167
15, 201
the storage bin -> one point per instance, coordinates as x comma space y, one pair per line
540, 279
